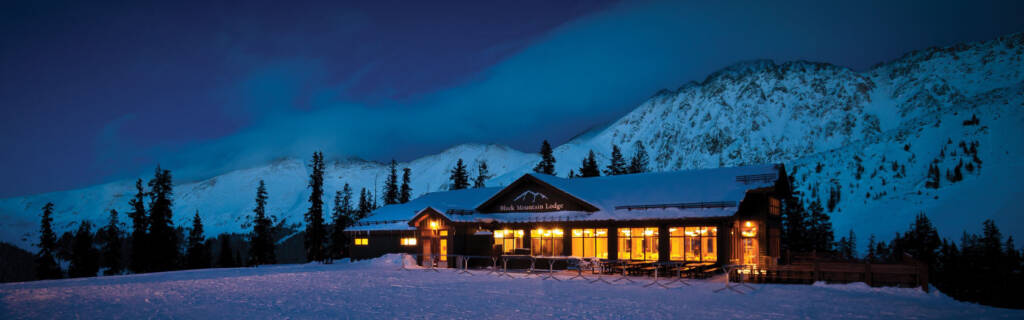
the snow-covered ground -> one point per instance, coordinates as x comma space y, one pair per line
377, 289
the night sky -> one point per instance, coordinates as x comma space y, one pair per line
94, 92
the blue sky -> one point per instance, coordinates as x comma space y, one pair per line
99, 92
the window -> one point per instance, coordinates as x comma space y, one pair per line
589, 243
774, 206
638, 244
362, 241
508, 239
409, 241
693, 244
546, 242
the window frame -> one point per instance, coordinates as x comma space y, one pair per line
581, 238
647, 243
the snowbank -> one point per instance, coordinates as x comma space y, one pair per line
376, 289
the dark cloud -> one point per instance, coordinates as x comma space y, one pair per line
402, 83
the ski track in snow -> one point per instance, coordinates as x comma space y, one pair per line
377, 289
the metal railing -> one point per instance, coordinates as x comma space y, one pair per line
499, 266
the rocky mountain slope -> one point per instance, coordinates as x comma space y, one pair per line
861, 143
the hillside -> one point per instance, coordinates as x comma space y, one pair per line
861, 143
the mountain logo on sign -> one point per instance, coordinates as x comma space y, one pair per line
533, 196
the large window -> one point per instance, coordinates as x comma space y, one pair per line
693, 244
638, 244
589, 243
509, 239
546, 242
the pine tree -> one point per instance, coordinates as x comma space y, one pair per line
139, 258
84, 258
261, 251
547, 161
225, 258
922, 240
341, 219
459, 176
851, 246
315, 232
163, 239
871, 249
391, 185
196, 254
112, 246
821, 235
364, 205
482, 174
991, 243
795, 229
589, 167
617, 165
405, 193
45, 264
638, 163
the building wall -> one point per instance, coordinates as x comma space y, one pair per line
380, 243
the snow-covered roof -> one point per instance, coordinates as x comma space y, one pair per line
659, 188
396, 216
666, 195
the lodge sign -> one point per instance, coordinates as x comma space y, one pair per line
531, 200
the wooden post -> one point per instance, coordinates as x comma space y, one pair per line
817, 270
868, 277
922, 271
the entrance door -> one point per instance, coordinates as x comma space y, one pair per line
749, 251
426, 258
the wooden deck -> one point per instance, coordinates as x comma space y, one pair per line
910, 273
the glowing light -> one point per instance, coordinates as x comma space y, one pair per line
433, 225
749, 224
558, 232
408, 241
362, 241
648, 232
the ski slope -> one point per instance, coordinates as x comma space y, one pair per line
377, 289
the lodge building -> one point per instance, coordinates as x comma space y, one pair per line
722, 216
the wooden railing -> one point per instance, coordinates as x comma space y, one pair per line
909, 273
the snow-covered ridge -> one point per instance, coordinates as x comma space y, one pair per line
863, 139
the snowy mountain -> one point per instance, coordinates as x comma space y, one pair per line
862, 143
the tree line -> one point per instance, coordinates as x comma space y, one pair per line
150, 242
638, 163
983, 268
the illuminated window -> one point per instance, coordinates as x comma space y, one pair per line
409, 241
509, 239
362, 241
693, 244
638, 244
589, 243
749, 229
546, 242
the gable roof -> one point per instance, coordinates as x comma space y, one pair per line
397, 216
535, 178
